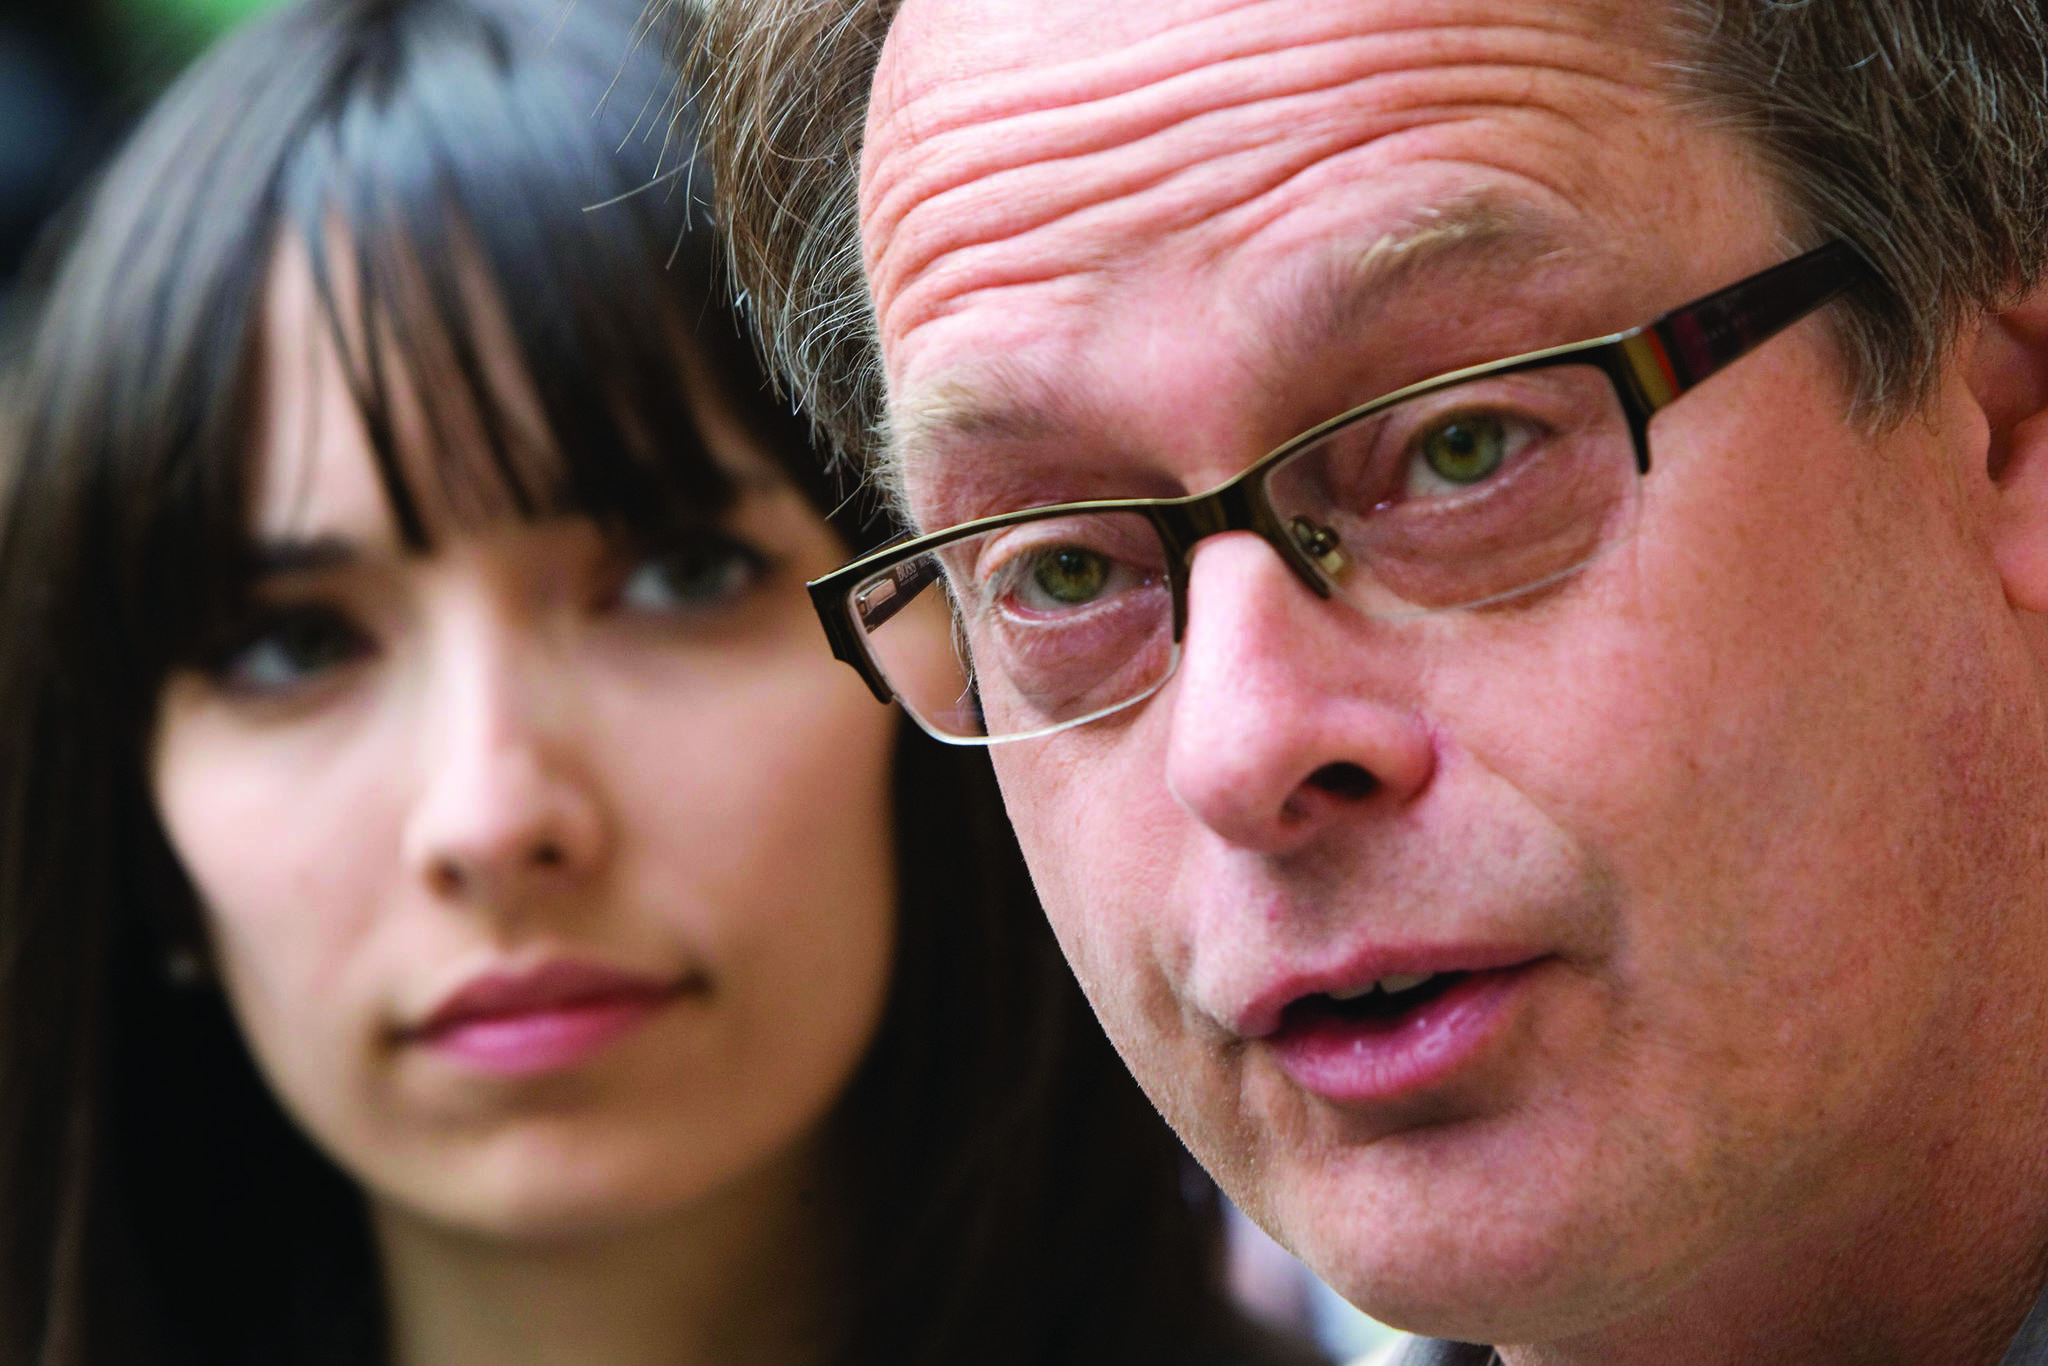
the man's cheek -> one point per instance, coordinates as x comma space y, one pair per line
1099, 920
1099, 869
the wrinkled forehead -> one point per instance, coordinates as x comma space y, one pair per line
1044, 180
937, 43
967, 88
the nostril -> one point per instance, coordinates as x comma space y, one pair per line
549, 855
1347, 781
447, 878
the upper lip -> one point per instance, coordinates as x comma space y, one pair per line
554, 985
1261, 1015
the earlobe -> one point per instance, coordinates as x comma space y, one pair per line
2009, 378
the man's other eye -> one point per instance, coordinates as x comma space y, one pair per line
1067, 577
1461, 451
288, 648
1062, 580
706, 572
1064, 566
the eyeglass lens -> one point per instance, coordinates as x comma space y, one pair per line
1463, 495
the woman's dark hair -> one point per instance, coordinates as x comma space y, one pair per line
1017, 1200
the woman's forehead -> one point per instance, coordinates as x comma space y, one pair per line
313, 475
386, 410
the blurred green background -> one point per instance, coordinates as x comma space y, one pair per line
73, 76
207, 16
162, 34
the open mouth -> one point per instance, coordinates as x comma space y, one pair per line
1388, 1001
1399, 1035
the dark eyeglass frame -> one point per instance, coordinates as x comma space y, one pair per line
1650, 367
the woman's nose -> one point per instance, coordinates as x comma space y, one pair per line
507, 811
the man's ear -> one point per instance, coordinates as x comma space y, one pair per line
2009, 377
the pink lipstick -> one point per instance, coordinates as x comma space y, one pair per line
553, 1017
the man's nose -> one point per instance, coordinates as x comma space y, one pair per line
508, 812
1287, 716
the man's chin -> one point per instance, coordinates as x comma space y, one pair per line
1454, 1231
1479, 1292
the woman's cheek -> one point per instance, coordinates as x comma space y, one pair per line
766, 816
280, 854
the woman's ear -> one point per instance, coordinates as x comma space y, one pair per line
2008, 374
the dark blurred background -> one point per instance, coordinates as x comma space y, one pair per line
73, 75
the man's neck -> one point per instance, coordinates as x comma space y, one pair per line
747, 1277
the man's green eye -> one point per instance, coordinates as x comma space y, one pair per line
1071, 577
1466, 450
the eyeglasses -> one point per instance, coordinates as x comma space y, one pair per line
1462, 491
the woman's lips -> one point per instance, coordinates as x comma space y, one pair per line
1352, 1058
552, 1017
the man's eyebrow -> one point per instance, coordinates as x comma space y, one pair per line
1345, 292
990, 401
997, 400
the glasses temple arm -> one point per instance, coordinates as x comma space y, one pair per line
1708, 334
883, 600
837, 608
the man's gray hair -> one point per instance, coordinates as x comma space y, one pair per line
1915, 129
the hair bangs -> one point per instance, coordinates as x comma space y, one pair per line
513, 338
515, 284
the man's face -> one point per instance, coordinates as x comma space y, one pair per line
1700, 839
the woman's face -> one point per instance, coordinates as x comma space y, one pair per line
551, 881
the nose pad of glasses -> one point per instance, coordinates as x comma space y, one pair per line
1321, 544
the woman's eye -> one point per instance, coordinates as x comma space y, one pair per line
289, 648
1462, 451
705, 574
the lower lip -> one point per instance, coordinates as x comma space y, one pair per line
543, 1040
1363, 1062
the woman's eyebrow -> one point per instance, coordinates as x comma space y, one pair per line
279, 556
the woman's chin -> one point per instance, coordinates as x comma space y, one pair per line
560, 1182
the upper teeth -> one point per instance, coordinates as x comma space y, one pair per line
1393, 984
